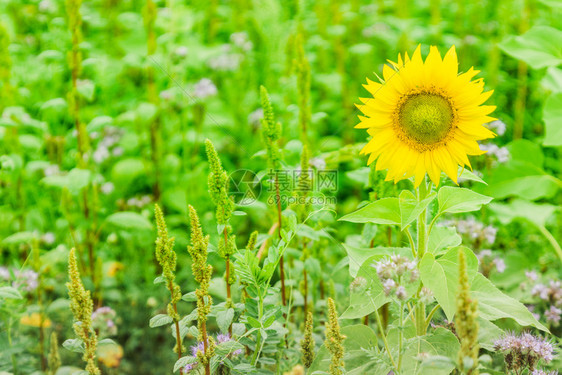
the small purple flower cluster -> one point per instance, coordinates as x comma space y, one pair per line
549, 297
488, 262
524, 351
358, 285
500, 153
199, 347
107, 146
254, 118
543, 372
233, 54
228, 60
498, 126
103, 321
204, 88
139, 202
476, 231
392, 271
23, 280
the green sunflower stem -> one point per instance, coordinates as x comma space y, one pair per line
422, 222
422, 193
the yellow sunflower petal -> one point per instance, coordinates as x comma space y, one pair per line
425, 118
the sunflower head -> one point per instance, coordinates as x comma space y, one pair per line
425, 117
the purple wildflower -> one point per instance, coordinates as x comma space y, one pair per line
531, 275
4, 273
543, 372
500, 265
552, 315
524, 351
204, 88
103, 321
26, 280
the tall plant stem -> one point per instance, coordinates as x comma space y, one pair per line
41, 325
205, 346
422, 223
228, 290
176, 323
13, 355
401, 321
383, 335
422, 246
257, 352
281, 261
305, 277
552, 241
522, 70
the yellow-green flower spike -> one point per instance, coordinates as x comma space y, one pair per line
303, 84
82, 306
54, 356
466, 323
198, 251
218, 188
334, 340
252, 241
307, 343
5, 68
166, 257
165, 254
149, 13
202, 273
271, 131
75, 27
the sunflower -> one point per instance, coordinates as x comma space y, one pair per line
424, 117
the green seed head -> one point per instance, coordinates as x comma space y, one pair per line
426, 118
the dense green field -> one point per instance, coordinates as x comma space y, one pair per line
182, 187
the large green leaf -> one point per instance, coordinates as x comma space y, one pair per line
368, 295
552, 81
521, 179
493, 304
359, 353
441, 276
522, 176
454, 200
539, 47
440, 343
358, 255
555, 4
552, 116
8, 292
410, 208
382, 211
488, 333
465, 174
526, 150
160, 320
75, 180
19, 238
442, 238
125, 171
129, 220
535, 213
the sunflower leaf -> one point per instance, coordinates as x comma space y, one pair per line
410, 208
538, 47
455, 200
382, 211
552, 116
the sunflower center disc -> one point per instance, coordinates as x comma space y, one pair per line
426, 118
